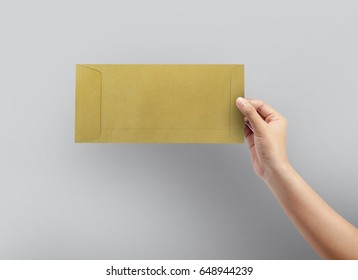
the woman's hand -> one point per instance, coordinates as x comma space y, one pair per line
267, 139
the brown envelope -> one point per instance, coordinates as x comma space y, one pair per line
159, 103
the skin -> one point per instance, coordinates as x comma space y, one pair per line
329, 234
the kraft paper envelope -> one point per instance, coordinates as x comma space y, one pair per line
159, 103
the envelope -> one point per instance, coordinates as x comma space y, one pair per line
159, 103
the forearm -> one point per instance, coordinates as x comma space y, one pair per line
327, 232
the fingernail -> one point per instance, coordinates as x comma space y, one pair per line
241, 101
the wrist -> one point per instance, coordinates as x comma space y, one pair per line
278, 173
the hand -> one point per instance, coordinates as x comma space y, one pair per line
267, 139
325, 230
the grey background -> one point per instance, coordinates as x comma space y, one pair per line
60, 200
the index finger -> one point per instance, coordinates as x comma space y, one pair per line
262, 108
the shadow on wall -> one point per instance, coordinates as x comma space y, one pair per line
190, 201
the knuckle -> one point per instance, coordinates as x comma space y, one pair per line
250, 110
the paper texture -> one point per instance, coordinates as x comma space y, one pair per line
159, 103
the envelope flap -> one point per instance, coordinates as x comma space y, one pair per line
88, 103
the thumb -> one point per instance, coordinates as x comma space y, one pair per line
249, 111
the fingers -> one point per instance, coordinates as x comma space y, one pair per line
247, 131
251, 143
251, 114
265, 110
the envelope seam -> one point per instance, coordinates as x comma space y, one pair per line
230, 97
100, 100
164, 129
231, 77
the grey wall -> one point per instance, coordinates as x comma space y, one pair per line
59, 200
